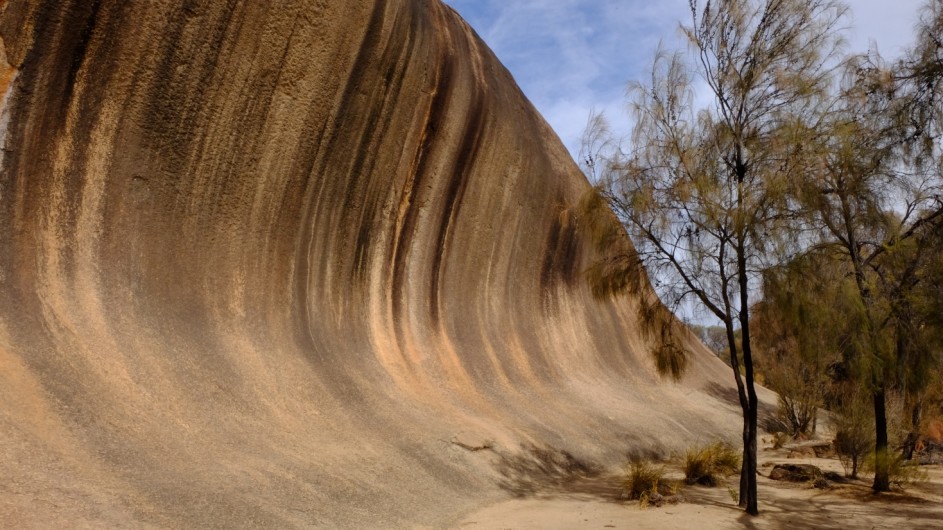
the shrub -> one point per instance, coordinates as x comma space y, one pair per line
854, 436
780, 439
709, 465
902, 473
642, 479
773, 424
798, 413
646, 483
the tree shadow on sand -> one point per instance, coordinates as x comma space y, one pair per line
846, 506
543, 472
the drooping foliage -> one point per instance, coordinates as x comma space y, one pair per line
704, 192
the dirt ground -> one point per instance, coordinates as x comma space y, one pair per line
595, 503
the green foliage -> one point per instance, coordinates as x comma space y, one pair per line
710, 464
620, 271
670, 359
841, 184
704, 192
799, 334
854, 434
873, 192
902, 473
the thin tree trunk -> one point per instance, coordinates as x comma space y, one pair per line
748, 491
882, 480
748, 494
744, 407
750, 425
744, 468
749, 461
910, 445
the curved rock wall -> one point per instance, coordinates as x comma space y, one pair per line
262, 263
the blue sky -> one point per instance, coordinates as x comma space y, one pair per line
572, 56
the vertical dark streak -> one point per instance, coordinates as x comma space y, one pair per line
177, 98
45, 90
465, 159
358, 200
444, 66
81, 47
315, 153
561, 257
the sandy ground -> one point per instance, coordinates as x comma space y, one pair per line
594, 503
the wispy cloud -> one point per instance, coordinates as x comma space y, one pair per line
572, 56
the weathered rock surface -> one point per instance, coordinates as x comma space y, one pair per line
261, 263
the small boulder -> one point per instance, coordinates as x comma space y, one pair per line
795, 472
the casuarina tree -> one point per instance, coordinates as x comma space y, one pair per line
703, 189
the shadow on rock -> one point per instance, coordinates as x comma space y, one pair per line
728, 394
549, 471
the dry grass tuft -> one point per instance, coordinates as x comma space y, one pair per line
646, 483
709, 465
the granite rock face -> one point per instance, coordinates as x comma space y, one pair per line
281, 263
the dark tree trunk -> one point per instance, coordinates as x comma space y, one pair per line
910, 445
882, 480
744, 398
744, 406
748, 495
